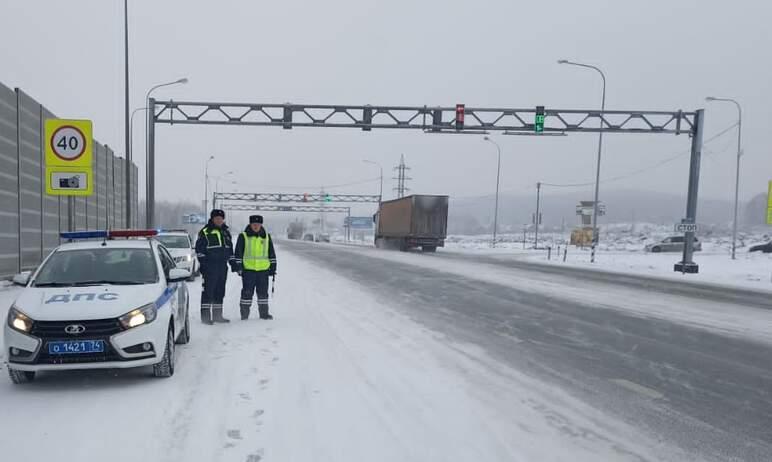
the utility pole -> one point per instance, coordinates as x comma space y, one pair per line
537, 217
321, 211
401, 177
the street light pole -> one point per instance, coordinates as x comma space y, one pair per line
595, 236
127, 128
206, 184
150, 170
498, 176
737, 171
380, 193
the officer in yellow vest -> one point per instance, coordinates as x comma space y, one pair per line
214, 249
255, 262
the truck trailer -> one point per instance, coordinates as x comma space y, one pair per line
412, 221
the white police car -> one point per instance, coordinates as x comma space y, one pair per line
180, 247
99, 304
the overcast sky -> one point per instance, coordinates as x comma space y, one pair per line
657, 55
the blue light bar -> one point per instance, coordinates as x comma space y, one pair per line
97, 234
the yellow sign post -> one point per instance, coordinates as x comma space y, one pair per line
769, 203
69, 157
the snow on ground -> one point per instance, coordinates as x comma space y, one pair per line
725, 318
338, 376
621, 250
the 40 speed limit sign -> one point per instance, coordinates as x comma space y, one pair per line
69, 157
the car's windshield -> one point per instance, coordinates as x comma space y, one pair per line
174, 241
98, 266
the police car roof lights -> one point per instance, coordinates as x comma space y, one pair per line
105, 234
84, 235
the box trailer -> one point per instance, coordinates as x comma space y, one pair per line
412, 221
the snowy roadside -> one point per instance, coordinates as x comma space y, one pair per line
623, 253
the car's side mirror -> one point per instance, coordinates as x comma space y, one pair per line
177, 275
21, 279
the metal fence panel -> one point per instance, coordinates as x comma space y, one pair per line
100, 190
91, 201
118, 198
30, 184
9, 184
109, 186
135, 195
50, 205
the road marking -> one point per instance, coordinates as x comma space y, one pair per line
640, 389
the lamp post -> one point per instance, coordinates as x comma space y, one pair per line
127, 128
206, 184
150, 170
498, 175
380, 193
737, 171
595, 236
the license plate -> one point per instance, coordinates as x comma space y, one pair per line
76, 347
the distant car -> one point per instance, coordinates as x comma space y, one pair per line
322, 237
308, 237
179, 245
671, 244
766, 248
99, 304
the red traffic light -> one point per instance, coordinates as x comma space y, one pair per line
459, 116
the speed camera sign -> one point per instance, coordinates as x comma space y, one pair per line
68, 143
69, 157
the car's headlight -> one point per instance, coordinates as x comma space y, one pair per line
142, 315
19, 321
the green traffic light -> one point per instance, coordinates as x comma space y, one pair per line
539, 123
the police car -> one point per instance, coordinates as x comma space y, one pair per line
99, 303
180, 247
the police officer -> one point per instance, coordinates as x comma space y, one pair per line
214, 248
255, 262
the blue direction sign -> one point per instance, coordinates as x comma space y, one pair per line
359, 222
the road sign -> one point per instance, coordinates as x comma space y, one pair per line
69, 157
686, 227
359, 222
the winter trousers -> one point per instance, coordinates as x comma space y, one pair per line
213, 291
251, 282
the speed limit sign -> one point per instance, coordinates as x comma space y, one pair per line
68, 143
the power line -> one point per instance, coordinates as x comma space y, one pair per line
645, 169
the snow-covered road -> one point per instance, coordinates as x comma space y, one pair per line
340, 375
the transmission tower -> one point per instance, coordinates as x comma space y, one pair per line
401, 178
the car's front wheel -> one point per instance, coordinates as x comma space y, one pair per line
21, 377
656, 249
166, 367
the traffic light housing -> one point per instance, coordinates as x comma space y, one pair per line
328, 198
538, 124
459, 116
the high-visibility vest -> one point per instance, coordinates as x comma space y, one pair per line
212, 232
256, 253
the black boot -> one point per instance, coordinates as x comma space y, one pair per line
244, 313
217, 316
206, 316
264, 312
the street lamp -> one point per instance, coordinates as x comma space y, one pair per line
380, 193
498, 175
206, 184
150, 169
737, 171
595, 236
